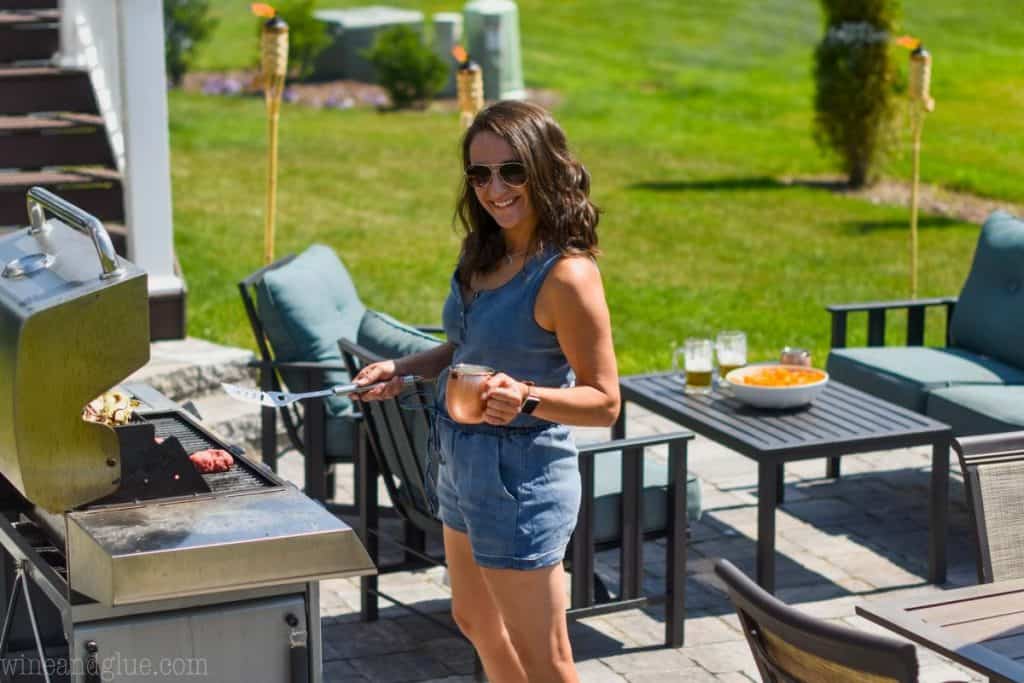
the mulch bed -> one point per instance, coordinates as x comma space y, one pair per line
339, 94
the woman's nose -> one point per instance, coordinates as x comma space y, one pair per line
497, 185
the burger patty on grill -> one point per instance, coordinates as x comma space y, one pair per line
212, 460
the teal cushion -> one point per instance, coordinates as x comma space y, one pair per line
978, 409
339, 434
905, 374
385, 336
306, 306
988, 314
389, 338
608, 496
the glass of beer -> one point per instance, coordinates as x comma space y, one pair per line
731, 347
698, 359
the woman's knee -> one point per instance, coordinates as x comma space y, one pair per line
476, 624
540, 652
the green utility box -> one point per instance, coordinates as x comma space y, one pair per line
492, 32
352, 31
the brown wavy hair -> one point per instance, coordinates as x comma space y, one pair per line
558, 185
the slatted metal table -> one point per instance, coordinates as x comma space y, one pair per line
841, 421
982, 627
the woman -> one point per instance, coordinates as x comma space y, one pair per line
527, 300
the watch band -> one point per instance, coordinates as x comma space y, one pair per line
531, 401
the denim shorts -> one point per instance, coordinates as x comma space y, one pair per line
514, 491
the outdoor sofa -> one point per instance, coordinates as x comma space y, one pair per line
975, 382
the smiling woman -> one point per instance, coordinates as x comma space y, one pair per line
526, 311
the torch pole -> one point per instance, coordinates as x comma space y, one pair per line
921, 102
918, 125
273, 117
274, 53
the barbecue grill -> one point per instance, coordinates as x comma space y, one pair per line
123, 562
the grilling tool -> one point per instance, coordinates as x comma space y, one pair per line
277, 399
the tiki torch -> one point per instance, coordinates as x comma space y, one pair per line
921, 102
274, 66
470, 86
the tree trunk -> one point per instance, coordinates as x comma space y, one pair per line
858, 174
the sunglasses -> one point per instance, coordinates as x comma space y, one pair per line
513, 174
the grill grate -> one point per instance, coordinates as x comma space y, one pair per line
237, 478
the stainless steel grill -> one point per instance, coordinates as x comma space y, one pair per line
114, 545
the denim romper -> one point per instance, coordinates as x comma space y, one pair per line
515, 489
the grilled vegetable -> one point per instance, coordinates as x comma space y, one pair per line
113, 408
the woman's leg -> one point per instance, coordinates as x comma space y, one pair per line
476, 614
532, 605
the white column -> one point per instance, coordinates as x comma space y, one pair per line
147, 172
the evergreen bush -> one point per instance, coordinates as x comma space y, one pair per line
187, 23
856, 81
406, 67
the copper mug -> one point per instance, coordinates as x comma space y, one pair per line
795, 356
464, 390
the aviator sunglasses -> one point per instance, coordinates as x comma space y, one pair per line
513, 174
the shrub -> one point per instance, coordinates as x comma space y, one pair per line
186, 24
307, 36
406, 67
856, 79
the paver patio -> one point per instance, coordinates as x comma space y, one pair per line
863, 537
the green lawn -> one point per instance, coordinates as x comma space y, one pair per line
685, 114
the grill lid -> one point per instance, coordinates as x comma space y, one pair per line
70, 328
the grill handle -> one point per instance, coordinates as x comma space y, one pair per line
39, 199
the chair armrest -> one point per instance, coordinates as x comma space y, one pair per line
634, 444
630, 516
876, 311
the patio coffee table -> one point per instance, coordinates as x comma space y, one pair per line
841, 421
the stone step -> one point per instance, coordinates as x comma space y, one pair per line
191, 368
234, 421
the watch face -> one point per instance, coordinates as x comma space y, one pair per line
529, 404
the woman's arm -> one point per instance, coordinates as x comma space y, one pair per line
571, 304
427, 364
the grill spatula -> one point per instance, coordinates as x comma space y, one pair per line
277, 399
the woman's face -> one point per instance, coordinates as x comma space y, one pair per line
510, 206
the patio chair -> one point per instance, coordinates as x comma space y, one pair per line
627, 499
993, 468
792, 647
298, 307
974, 381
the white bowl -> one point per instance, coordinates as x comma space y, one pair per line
774, 397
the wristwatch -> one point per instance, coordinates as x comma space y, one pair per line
531, 401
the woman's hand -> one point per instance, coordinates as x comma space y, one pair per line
504, 397
378, 372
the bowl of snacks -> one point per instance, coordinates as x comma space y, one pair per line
776, 385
